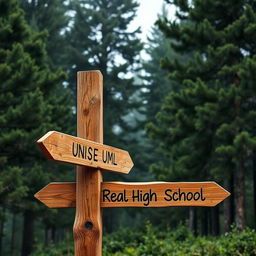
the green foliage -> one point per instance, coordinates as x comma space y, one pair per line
207, 127
51, 17
100, 39
33, 101
51, 250
28, 101
153, 242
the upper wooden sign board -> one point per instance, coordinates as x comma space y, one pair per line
69, 149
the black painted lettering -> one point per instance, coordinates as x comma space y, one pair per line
114, 159
141, 196
175, 198
95, 155
168, 196
90, 153
135, 196
73, 149
110, 157
106, 192
189, 196
146, 199
201, 193
120, 197
113, 197
153, 194
196, 196
81, 151
104, 156
125, 198
182, 194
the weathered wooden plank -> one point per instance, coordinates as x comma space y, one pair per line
58, 195
148, 194
65, 148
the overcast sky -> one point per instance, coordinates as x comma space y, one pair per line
147, 15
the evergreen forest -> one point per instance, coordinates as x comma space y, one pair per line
182, 102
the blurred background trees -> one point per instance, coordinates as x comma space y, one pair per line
185, 112
206, 126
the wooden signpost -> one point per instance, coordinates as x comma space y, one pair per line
89, 194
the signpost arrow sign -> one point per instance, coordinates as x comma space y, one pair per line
148, 194
65, 148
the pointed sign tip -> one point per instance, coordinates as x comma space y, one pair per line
37, 196
42, 144
132, 164
227, 194
43, 138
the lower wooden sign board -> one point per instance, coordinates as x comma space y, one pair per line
148, 194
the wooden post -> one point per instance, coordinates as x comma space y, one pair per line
88, 220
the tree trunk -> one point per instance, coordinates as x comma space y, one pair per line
2, 221
45, 236
28, 233
204, 222
240, 196
53, 234
228, 204
254, 186
108, 220
215, 222
13, 233
193, 220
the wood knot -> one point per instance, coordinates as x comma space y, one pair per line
87, 106
88, 225
86, 111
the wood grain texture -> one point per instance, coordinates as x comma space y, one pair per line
62, 195
163, 194
65, 148
88, 220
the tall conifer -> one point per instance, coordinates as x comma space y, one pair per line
32, 101
50, 16
209, 125
100, 39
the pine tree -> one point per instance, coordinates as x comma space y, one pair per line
157, 86
100, 39
208, 125
50, 16
157, 82
53, 17
187, 148
32, 101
